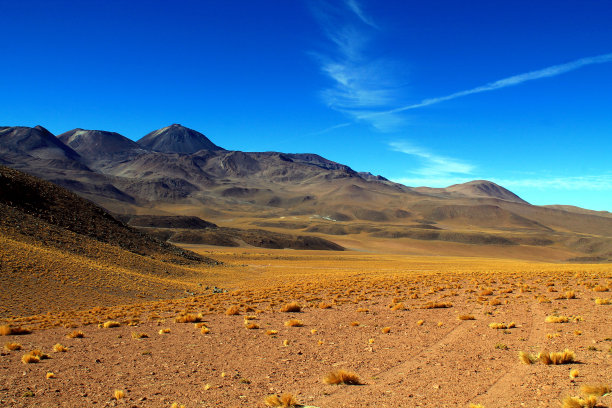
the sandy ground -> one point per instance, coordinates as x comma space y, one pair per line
444, 362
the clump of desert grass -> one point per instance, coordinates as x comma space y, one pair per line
602, 301
58, 348
526, 358
477, 406
164, 331
294, 323
598, 390
271, 332
50, 375
436, 305
138, 335
251, 326
110, 323
398, 306
292, 307
420, 322
119, 394
29, 358
176, 405
577, 402
466, 317
556, 319
342, 377
502, 325
189, 318
12, 346
556, 358
233, 310
7, 330
574, 373
204, 330
385, 330
282, 401
76, 334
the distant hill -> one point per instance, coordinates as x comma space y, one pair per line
176, 171
177, 139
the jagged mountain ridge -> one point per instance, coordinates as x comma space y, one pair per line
221, 184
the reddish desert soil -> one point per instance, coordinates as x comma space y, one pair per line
445, 362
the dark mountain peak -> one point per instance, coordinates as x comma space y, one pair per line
36, 142
486, 189
96, 143
177, 139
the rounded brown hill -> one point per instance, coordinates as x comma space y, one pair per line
177, 139
97, 142
28, 203
37, 142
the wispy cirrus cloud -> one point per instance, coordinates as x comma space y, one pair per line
599, 182
362, 85
433, 166
514, 80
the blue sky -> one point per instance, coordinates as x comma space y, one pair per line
422, 92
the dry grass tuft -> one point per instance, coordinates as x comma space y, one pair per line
602, 301
12, 346
29, 358
342, 377
561, 357
477, 406
354, 324
77, 334
58, 348
50, 375
251, 326
466, 317
233, 310
271, 332
7, 330
526, 358
294, 323
386, 330
164, 331
189, 318
204, 330
119, 394
110, 323
420, 322
436, 305
176, 405
574, 373
502, 325
556, 319
324, 305
283, 401
136, 335
596, 390
398, 306
292, 307
575, 402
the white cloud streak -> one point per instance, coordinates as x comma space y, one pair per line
491, 86
433, 166
361, 85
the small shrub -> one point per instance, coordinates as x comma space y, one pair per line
136, 335
575, 402
271, 332
294, 323
283, 401
7, 330
436, 305
119, 394
292, 307
29, 359
574, 373
556, 358
12, 346
601, 301
164, 331
526, 358
556, 319
342, 377
354, 324
386, 330
110, 323
420, 322
251, 326
189, 318
502, 325
77, 334
596, 390
50, 375
204, 330
233, 310
58, 348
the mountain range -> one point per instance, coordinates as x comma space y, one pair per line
177, 171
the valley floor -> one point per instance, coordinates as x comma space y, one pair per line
416, 330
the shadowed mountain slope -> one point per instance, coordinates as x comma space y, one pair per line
177, 139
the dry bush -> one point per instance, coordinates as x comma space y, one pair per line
283, 401
324, 305
486, 292
574, 373
363, 310
560, 357
386, 330
58, 348
466, 317
12, 346
50, 375
29, 358
600, 288
313, 331
601, 301
7, 330
176, 405
342, 377
570, 294
204, 330
77, 334
398, 306
596, 390
200, 325
294, 323
189, 318
436, 305
420, 322
119, 394
526, 358
251, 326
502, 325
164, 331
136, 335
233, 310
495, 302
292, 307
556, 319
575, 402
271, 332
110, 323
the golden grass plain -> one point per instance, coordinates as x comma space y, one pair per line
456, 363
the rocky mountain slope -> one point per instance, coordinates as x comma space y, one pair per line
178, 171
